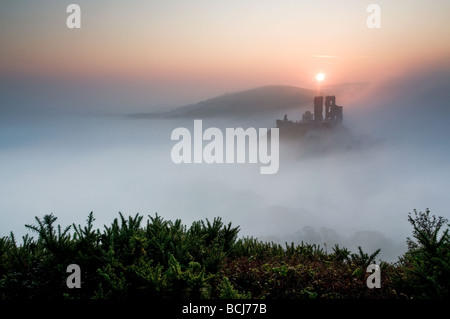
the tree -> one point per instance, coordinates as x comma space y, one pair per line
427, 261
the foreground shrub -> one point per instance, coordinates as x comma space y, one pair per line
168, 260
425, 268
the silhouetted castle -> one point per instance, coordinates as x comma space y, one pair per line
333, 114
321, 132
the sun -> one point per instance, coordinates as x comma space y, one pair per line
320, 77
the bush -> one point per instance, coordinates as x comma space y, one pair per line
425, 271
167, 260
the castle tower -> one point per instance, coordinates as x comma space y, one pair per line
330, 102
333, 112
318, 109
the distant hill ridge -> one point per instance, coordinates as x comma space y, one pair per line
267, 99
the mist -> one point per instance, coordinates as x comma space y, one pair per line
73, 163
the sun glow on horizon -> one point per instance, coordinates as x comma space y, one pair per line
320, 77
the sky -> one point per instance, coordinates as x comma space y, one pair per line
165, 53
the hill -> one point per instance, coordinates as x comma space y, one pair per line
272, 100
267, 99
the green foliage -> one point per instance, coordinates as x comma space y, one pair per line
340, 254
425, 271
56, 243
163, 259
227, 291
363, 259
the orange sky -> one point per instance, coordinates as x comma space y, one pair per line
233, 44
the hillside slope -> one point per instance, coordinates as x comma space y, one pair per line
268, 99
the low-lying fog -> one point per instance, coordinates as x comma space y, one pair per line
71, 165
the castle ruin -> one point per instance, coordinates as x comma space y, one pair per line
333, 114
